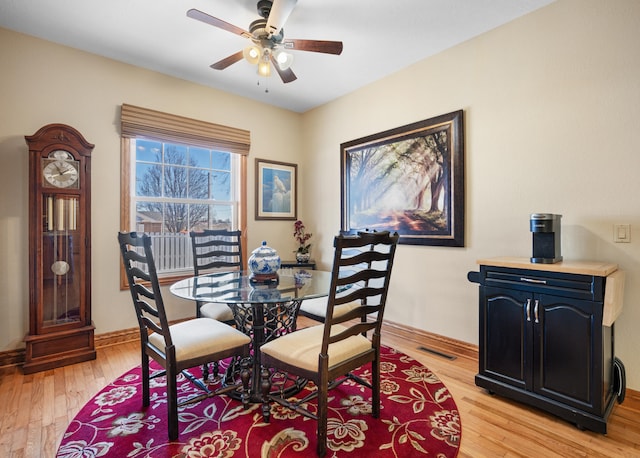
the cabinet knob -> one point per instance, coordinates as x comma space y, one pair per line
528, 309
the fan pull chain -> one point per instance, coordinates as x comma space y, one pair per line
266, 89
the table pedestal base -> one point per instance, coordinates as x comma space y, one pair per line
264, 322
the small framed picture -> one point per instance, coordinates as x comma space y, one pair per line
276, 190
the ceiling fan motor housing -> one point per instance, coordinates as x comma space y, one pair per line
258, 29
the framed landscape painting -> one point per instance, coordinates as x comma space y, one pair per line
409, 179
276, 190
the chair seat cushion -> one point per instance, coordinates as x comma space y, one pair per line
301, 348
216, 311
318, 307
200, 337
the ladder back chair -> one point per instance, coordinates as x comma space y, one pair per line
175, 347
326, 354
316, 308
218, 249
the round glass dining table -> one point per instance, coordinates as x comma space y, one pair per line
262, 310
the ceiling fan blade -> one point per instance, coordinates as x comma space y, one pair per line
214, 21
324, 46
286, 75
280, 11
227, 61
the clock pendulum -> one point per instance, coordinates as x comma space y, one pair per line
59, 255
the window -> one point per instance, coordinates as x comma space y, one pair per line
178, 189
177, 178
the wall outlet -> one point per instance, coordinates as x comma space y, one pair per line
622, 233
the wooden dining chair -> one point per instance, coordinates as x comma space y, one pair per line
316, 308
180, 346
216, 250
326, 354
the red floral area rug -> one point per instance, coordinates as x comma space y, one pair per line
418, 418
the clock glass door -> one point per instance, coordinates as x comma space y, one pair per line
61, 261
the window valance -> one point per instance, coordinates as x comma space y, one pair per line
143, 122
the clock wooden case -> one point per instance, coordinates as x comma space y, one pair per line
60, 328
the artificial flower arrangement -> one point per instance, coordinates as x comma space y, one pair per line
302, 237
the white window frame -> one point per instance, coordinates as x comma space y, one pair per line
182, 262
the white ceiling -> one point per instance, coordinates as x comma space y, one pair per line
380, 38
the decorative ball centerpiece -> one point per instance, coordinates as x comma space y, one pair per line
264, 263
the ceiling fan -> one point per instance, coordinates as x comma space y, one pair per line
268, 46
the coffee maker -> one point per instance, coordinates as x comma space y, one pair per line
546, 238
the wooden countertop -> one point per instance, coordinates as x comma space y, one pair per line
600, 269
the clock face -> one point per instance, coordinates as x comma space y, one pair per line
60, 173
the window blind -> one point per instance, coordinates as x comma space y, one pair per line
143, 122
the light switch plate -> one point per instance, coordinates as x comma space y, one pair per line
622, 233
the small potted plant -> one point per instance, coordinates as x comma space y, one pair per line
302, 237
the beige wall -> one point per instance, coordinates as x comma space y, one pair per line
552, 106
551, 101
44, 83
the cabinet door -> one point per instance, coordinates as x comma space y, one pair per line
505, 338
568, 351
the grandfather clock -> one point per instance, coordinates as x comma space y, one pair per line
60, 328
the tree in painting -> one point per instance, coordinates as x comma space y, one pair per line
402, 185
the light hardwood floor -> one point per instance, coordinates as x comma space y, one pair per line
37, 408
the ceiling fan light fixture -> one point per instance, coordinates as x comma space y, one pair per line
264, 66
251, 54
284, 59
